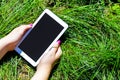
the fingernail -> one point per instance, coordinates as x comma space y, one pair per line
58, 41
31, 25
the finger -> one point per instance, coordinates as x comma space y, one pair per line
27, 28
24, 28
57, 44
59, 53
55, 47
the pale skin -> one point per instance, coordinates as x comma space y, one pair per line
47, 62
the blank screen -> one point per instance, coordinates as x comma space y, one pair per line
40, 37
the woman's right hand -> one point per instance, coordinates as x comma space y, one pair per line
47, 62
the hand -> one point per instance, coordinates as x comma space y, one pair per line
9, 42
47, 62
52, 56
15, 36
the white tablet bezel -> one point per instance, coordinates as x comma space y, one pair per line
57, 19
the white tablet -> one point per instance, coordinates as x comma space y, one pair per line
46, 30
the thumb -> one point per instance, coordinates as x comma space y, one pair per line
54, 49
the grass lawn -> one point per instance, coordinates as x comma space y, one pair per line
91, 45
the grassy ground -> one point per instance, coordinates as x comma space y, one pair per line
91, 49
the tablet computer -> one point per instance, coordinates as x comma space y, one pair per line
46, 30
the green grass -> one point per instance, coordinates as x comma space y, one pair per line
90, 46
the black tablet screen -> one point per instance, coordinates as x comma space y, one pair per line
41, 36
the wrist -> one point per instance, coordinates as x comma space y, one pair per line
9, 44
5, 43
44, 67
3, 47
42, 72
